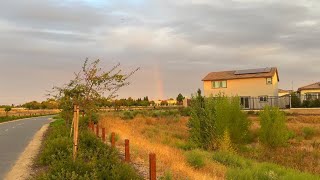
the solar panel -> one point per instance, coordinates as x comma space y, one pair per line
253, 71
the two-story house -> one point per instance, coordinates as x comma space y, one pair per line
255, 87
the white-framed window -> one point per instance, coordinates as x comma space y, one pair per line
269, 80
263, 98
219, 84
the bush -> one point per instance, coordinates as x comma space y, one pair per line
211, 117
273, 131
94, 160
308, 132
231, 160
129, 115
185, 111
195, 158
295, 100
225, 143
167, 176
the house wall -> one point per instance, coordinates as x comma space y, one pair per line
253, 87
283, 94
303, 92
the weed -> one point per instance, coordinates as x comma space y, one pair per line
195, 158
308, 132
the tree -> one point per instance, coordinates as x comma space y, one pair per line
7, 109
180, 98
89, 86
295, 100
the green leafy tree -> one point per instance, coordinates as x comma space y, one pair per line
7, 109
180, 98
273, 131
295, 100
90, 85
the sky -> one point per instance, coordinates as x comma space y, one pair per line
174, 42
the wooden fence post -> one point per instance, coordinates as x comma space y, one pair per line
97, 130
113, 143
92, 127
103, 134
127, 151
76, 131
152, 168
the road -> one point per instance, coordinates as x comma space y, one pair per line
14, 138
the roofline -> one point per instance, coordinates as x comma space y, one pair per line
301, 89
276, 71
236, 78
305, 87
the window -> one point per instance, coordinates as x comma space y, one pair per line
219, 84
269, 80
263, 98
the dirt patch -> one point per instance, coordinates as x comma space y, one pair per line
21, 170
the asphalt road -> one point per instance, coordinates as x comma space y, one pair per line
14, 138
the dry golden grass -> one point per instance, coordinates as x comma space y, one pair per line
160, 136
26, 112
302, 154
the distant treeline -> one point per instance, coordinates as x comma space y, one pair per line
48, 104
125, 102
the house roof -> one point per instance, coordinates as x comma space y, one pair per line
284, 91
310, 86
242, 74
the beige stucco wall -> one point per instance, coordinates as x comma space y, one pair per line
245, 87
309, 91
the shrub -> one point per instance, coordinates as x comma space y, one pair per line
291, 134
211, 117
295, 100
129, 115
195, 158
185, 111
315, 103
225, 143
273, 132
308, 132
95, 160
167, 176
231, 160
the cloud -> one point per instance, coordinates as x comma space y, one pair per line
42, 42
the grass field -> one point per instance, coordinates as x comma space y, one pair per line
26, 112
167, 136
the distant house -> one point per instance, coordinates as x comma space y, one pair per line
311, 91
255, 87
282, 92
